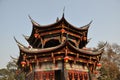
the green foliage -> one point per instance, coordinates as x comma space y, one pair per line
109, 71
10, 73
110, 60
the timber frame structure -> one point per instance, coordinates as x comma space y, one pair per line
57, 52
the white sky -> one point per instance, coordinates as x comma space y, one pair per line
14, 20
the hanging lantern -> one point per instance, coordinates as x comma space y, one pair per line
99, 65
62, 30
66, 59
36, 35
23, 63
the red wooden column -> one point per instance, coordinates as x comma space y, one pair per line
35, 78
73, 75
78, 75
43, 76
86, 76
83, 77
47, 75
40, 73
53, 75
69, 77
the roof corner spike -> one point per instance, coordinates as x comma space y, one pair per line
33, 22
15, 39
29, 17
63, 15
18, 43
89, 40
13, 58
87, 26
63, 12
57, 19
26, 37
90, 22
102, 48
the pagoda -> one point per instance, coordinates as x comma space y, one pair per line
57, 52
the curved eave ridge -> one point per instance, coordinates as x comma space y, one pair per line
35, 24
86, 26
87, 52
19, 44
35, 50
52, 49
26, 37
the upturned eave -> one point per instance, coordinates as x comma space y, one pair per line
57, 48
62, 20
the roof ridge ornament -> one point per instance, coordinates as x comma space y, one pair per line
102, 48
26, 37
33, 22
89, 40
87, 26
19, 44
63, 12
57, 19
64, 9
14, 59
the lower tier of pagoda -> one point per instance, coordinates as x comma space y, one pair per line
62, 71
58, 75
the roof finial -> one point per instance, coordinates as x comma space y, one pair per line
63, 11
57, 19
90, 22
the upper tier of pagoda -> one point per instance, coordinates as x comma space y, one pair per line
56, 33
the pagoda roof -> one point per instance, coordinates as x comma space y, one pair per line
57, 48
62, 20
